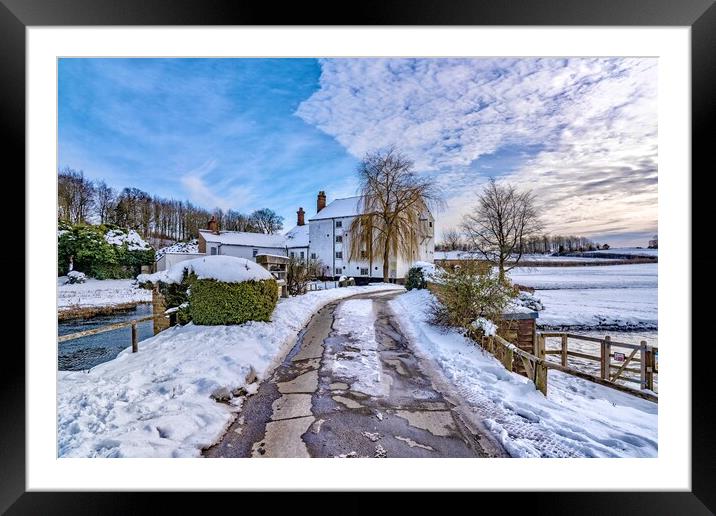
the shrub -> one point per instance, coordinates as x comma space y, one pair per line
76, 277
415, 279
92, 254
215, 302
468, 292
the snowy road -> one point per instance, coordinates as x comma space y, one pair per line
352, 387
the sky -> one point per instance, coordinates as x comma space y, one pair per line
243, 134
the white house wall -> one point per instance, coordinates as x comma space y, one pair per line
322, 243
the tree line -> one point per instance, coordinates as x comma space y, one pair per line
81, 200
453, 240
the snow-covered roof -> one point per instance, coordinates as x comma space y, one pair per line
297, 237
348, 207
228, 269
191, 247
244, 238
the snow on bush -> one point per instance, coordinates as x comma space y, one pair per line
228, 269
578, 418
428, 269
157, 402
526, 300
487, 327
120, 237
76, 277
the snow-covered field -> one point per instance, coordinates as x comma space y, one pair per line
156, 403
95, 293
531, 257
628, 251
615, 296
577, 418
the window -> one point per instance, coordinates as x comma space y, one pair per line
339, 254
313, 256
339, 270
302, 255
213, 251
364, 272
431, 224
293, 255
254, 253
339, 223
339, 239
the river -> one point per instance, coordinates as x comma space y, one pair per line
87, 352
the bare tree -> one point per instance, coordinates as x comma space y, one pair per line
75, 196
267, 221
500, 223
394, 204
452, 240
104, 201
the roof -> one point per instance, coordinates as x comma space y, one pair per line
244, 238
297, 237
348, 207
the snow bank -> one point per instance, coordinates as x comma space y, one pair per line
228, 269
97, 293
576, 419
119, 237
156, 403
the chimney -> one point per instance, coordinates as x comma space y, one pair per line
321, 203
300, 221
213, 226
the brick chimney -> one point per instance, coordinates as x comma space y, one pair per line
321, 202
300, 220
213, 226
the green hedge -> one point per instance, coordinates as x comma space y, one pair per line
214, 302
415, 279
94, 256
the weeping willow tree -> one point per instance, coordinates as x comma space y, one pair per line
394, 202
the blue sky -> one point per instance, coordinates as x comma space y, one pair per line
253, 133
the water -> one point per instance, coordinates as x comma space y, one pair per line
87, 352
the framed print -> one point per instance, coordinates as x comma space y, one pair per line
424, 234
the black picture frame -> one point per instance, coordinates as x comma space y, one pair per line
699, 15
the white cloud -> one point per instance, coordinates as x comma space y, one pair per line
594, 119
204, 193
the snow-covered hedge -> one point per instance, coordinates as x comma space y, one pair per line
217, 290
101, 251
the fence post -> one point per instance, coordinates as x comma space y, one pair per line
647, 367
540, 368
134, 337
606, 357
565, 348
491, 344
507, 358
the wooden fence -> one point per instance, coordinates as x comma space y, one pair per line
612, 364
536, 364
116, 326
